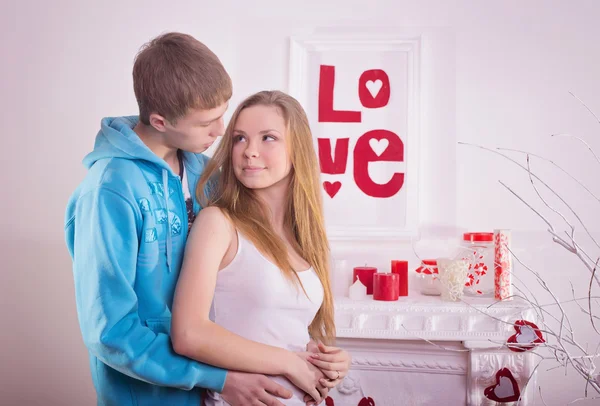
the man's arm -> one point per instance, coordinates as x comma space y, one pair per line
104, 265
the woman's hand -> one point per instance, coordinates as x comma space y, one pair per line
306, 376
333, 362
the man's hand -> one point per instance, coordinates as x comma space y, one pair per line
243, 389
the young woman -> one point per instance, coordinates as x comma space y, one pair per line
260, 251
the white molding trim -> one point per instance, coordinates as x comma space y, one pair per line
384, 363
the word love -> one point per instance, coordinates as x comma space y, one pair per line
373, 146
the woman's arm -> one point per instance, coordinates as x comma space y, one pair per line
192, 332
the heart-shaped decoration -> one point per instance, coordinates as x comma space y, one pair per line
332, 188
374, 86
527, 336
506, 388
378, 146
366, 402
329, 401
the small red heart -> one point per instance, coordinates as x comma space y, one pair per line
366, 402
329, 401
526, 337
332, 188
506, 388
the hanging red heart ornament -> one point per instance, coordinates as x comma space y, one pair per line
506, 388
527, 336
329, 401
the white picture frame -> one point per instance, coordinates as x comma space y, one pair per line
352, 217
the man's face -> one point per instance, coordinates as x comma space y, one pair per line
197, 130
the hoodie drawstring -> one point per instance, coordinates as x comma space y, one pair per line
165, 177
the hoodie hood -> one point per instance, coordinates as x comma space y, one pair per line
116, 139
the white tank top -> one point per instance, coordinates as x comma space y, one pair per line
255, 300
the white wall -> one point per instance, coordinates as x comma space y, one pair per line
66, 65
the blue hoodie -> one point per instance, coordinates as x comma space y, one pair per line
126, 226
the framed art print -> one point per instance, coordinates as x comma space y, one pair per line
361, 96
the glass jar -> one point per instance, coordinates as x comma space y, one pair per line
478, 250
428, 278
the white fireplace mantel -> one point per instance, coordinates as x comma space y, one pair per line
397, 346
428, 317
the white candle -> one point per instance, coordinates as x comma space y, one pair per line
357, 291
341, 279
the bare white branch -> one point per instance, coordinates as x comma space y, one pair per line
580, 140
572, 235
560, 168
585, 105
541, 397
543, 183
580, 399
590, 297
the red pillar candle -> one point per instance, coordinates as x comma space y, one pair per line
365, 274
385, 286
401, 269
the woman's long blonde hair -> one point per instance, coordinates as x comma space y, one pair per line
304, 215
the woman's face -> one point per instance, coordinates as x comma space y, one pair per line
260, 156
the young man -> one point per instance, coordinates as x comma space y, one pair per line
127, 224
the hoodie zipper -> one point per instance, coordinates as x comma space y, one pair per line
179, 186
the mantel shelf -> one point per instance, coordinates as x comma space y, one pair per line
428, 317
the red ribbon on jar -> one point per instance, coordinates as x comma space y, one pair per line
427, 275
